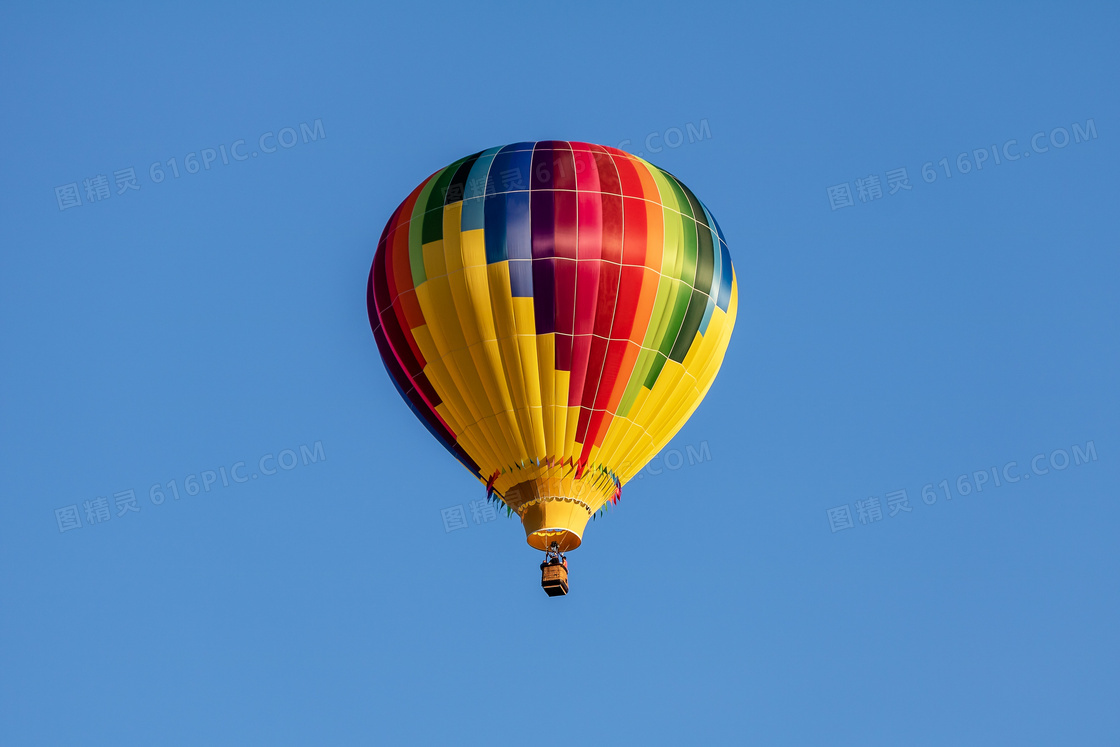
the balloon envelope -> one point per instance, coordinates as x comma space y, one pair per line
553, 313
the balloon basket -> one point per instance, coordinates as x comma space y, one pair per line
554, 572
554, 580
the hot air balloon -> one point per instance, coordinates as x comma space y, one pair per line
553, 313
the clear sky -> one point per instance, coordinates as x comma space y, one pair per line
173, 335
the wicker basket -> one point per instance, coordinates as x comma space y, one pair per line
554, 580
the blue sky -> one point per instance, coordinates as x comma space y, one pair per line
885, 342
